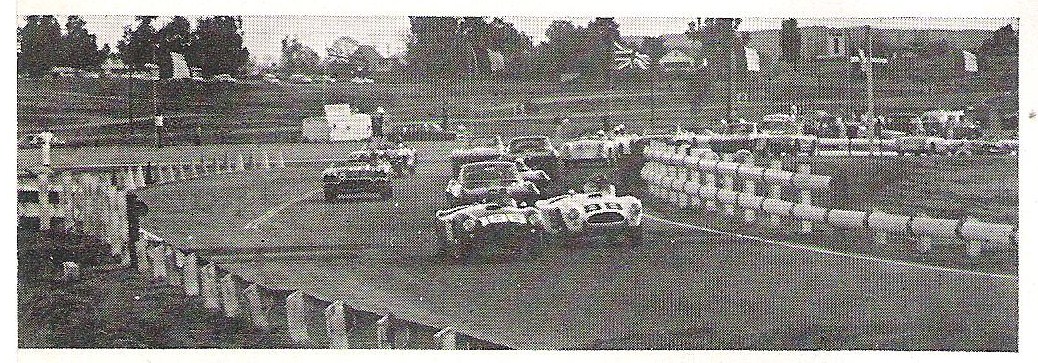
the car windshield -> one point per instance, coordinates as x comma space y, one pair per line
529, 144
484, 172
484, 142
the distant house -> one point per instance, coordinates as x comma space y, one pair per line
366, 56
678, 59
113, 66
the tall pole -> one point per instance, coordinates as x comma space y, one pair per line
870, 84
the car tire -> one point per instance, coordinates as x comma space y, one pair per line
330, 195
387, 194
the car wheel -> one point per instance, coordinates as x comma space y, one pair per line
387, 194
330, 195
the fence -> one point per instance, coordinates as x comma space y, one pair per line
687, 177
98, 201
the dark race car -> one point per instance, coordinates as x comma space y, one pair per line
356, 179
477, 148
476, 181
489, 228
535, 152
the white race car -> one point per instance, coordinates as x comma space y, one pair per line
492, 227
591, 214
589, 150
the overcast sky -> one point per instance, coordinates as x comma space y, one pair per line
388, 34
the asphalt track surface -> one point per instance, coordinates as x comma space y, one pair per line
273, 228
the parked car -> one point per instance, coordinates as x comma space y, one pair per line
420, 131
224, 78
299, 79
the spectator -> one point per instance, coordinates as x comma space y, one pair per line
158, 130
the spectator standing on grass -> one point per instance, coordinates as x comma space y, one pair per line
45, 138
198, 135
158, 130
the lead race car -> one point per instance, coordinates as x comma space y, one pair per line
494, 225
476, 181
356, 178
596, 213
478, 148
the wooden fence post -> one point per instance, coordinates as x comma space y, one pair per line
804, 167
339, 324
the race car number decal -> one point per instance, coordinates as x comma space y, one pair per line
588, 208
503, 218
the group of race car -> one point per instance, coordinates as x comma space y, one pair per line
497, 199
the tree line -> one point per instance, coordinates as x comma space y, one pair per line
214, 45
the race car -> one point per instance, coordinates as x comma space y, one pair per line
356, 178
596, 213
535, 152
477, 180
399, 157
478, 148
376, 158
492, 226
589, 150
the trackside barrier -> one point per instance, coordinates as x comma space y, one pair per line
666, 168
97, 204
812, 145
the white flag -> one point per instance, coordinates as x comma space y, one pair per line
866, 63
970, 61
752, 60
180, 69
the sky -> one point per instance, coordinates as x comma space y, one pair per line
388, 34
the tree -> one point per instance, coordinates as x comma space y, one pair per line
791, 42
513, 45
654, 48
174, 37
217, 45
38, 45
297, 58
139, 46
78, 46
432, 49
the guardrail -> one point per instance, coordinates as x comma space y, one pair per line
94, 203
813, 145
687, 177
92, 200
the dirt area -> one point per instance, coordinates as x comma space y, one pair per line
113, 309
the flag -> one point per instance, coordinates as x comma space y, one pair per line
866, 63
752, 60
180, 69
497, 61
627, 58
970, 61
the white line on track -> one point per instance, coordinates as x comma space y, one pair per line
835, 253
253, 224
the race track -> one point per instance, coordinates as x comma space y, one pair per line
271, 227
